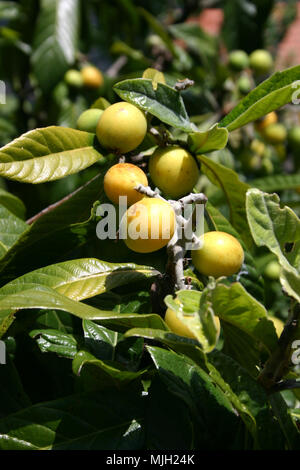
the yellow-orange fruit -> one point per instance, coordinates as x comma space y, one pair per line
151, 224
121, 179
221, 255
92, 77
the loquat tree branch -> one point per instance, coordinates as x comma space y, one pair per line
177, 245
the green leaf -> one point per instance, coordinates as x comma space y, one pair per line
274, 227
80, 279
271, 94
55, 41
100, 103
180, 344
64, 225
275, 183
88, 421
214, 138
11, 228
196, 315
99, 340
63, 344
211, 410
43, 297
235, 192
236, 306
252, 397
47, 154
12, 203
165, 102
100, 375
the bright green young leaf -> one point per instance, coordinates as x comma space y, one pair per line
47, 154
55, 40
80, 279
197, 317
155, 75
278, 90
213, 139
235, 192
165, 102
100, 103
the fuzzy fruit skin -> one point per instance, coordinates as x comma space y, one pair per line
275, 133
180, 328
146, 215
88, 120
121, 179
238, 60
122, 127
92, 77
270, 118
173, 170
221, 255
261, 61
73, 78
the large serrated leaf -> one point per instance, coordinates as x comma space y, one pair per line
55, 39
163, 102
47, 154
274, 227
273, 93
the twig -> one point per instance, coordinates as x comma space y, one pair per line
58, 203
115, 68
183, 84
177, 245
285, 385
